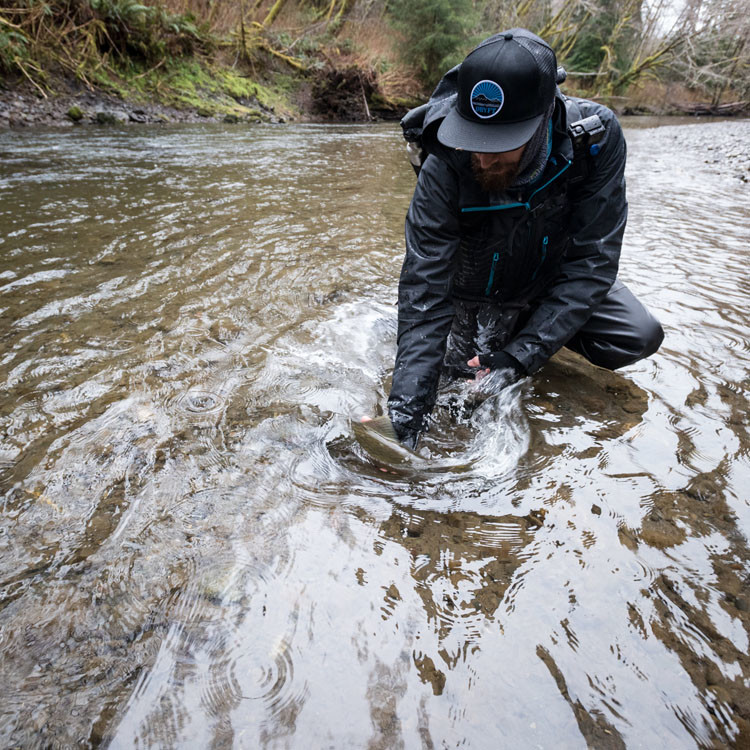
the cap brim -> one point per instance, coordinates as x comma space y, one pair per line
483, 137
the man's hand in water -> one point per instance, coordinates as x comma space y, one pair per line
507, 369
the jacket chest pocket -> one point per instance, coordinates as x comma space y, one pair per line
555, 218
484, 253
548, 235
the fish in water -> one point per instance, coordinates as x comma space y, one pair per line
379, 441
378, 438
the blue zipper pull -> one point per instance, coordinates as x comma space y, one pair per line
545, 242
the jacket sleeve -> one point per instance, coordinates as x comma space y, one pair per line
589, 266
425, 310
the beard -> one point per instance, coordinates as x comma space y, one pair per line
496, 179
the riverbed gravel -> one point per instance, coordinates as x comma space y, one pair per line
723, 144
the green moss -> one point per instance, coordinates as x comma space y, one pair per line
210, 90
75, 113
106, 118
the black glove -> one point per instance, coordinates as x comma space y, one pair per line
502, 361
505, 370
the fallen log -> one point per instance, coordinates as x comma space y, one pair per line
727, 109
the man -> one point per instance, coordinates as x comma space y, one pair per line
513, 234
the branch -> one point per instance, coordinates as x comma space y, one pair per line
275, 8
18, 62
638, 68
8, 23
289, 60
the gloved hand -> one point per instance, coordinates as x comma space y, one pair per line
504, 368
406, 436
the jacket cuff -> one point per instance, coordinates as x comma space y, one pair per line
529, 360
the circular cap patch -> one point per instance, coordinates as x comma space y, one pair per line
486, 99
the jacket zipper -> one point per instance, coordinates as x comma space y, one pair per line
495, 259
526, 205
545, 242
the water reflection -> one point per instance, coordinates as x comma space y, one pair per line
194, 552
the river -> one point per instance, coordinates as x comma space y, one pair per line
194, 550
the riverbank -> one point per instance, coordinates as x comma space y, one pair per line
158, 67
191, 91
104, 61
72, 103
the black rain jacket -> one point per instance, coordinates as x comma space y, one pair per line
552, 248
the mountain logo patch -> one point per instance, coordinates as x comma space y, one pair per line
486, 99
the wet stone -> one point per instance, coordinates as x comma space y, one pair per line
720, 693
661, 534
109, 118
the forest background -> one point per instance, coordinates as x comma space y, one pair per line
361, 59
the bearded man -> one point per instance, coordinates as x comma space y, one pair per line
514, 232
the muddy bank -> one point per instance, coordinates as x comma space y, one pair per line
22, 106
336, 94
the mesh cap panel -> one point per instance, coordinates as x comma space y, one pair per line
543, 55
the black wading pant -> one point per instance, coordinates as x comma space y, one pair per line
619, 332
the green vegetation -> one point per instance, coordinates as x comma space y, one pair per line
138, 52
241, 58
435, 33
191, 83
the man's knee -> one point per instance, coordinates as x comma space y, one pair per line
652, 335
620, 332
644, 341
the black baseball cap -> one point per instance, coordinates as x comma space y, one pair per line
506, 86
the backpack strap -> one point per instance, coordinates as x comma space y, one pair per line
412, 125
585, 134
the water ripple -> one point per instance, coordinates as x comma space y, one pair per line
194, 549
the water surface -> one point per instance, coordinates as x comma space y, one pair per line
195, 552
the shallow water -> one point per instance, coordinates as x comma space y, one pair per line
195, 552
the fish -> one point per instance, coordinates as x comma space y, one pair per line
380, 442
